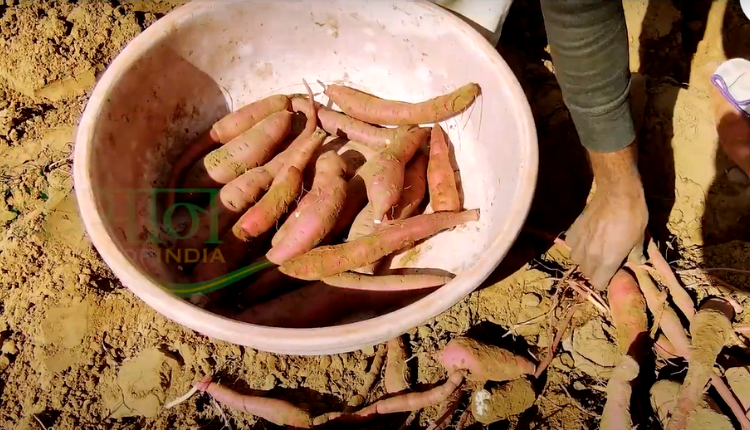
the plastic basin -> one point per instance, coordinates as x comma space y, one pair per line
206, 59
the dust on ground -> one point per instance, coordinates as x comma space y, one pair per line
80, 351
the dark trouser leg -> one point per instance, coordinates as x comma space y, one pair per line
589, 45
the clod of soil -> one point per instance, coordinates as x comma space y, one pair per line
500, 403
738, 379
593, 350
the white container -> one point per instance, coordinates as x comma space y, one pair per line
486, 16
207, 58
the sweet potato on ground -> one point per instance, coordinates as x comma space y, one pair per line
396, 378
441, 180
707, 416
710, 329
255, 222
628, 314
224, 130
401, 403
671, 326
316, 213
413, 401
384, 174
251, 149
279, 412
669, 322
484, 362
631, 323
369, 108
616, 413
331, 260
358, 281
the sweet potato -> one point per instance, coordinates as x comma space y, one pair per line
279, 412
415, 186
384, 173
668, 320
241, 193
319, 305
264, 215
256, 221
331, 260
338, 124
616, 413
358, 281
707, 416
369, 108
628, 314
401, 403
413, 401
396, 378
710, 329
224, 130
412, 195
316, 213
251, 149
441, 180
302, 148
484, 362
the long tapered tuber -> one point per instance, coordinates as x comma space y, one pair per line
710, 330
331, 260
279, 412
375, 110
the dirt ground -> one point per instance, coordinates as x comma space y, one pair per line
79, 351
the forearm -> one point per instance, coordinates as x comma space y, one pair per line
589, 46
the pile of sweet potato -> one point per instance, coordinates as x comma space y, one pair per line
326, 220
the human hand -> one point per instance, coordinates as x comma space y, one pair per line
613, 224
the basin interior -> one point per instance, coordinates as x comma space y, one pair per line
221, 56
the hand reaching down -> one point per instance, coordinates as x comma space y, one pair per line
613, 224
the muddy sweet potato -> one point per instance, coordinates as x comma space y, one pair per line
251, 149
484, 362
441, 180
316, 213
255, 222
331, 260
224, 130
384, 174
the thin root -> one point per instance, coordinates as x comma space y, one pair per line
558, 337
182, 398
224, 419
